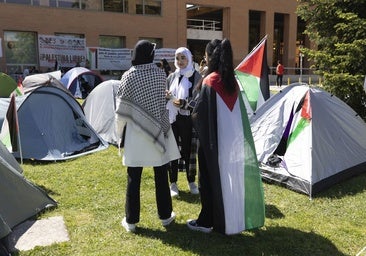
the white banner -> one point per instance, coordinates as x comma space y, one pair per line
120, 59
113, 59
68, 51
164, 53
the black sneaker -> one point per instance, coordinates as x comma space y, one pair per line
192, 224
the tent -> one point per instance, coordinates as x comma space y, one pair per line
7, 85
20, 199
99, 108
307, 139
52, 126
80, 81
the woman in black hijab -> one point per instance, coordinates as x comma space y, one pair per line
149, 140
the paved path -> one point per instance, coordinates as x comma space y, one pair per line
44, 232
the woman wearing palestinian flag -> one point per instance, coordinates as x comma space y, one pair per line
229, 178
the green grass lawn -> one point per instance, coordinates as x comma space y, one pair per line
90, 191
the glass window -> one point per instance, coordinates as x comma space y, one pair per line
76, 4
115, 6
112, 41
28, 2
157, 41
148, 7
20, 50
152, 7
70, 35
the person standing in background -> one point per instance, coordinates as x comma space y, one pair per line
149, 140
280, 69
166, 67
180, 85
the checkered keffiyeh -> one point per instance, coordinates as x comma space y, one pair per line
141, 99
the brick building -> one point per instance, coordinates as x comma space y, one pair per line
169, 23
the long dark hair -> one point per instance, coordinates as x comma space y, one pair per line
220, 59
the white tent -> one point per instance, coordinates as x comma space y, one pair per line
99, 108
317, 139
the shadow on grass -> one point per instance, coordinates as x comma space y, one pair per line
351, 186
188, 197
48, 191
266, 241
272, 212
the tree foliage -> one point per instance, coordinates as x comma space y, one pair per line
338, 29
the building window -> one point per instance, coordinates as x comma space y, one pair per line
115, 6
70, 35
112, 41
20, 51
148, 7
26, 2
74, 4
157, 41
254, 28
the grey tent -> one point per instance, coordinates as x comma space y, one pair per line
307, 139
99, 108
52, 126
34, 81
20, 199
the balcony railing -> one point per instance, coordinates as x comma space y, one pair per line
204, 24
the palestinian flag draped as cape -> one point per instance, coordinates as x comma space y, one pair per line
230, 158
252, 74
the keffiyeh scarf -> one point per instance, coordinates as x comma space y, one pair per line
141, 99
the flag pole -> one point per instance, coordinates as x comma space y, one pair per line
19, 142
18, 131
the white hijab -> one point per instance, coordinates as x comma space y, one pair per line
180, 90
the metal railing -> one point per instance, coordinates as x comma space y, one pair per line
204, 24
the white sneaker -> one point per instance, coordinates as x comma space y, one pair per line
167, 221
193, 188
128, 227
174, 190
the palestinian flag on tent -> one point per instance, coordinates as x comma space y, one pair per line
305, 117
252, 74
10, 130
295, 125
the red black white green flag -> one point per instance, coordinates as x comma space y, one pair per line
10, 130
252, 74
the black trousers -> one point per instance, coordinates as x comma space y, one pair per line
279, 80
182, 129
162, 193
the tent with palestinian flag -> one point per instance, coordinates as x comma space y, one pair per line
308, 140
252, 75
